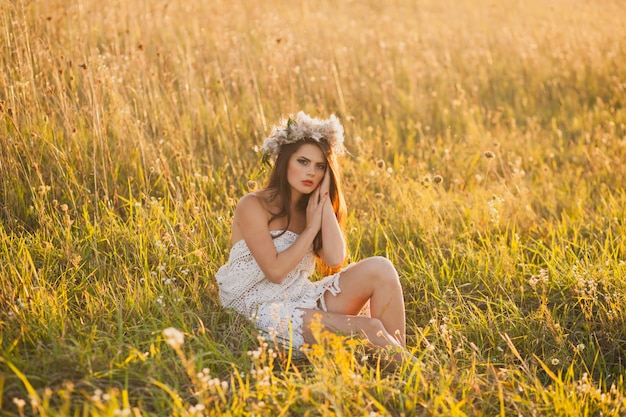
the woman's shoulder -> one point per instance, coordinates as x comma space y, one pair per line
257, 203
252, 198
253, 211
256, 200
264, 199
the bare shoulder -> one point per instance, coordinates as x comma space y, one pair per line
251, 203
250, 214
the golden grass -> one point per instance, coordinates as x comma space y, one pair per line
486, 146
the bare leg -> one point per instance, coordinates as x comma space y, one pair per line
374, 279
364, 327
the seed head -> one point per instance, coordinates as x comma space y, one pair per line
174, 337
67, 220
43, 189
489, 155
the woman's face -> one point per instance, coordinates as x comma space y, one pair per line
306, 168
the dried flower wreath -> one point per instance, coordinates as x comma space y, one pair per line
300, 128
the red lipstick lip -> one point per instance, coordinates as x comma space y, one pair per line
308, 183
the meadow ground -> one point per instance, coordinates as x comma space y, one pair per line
486, 159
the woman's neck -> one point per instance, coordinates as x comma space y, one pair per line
295, 200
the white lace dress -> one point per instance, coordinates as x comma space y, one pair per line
274, 308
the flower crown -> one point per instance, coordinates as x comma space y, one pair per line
304, 127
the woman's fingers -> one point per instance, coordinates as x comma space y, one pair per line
315, 197
318, 196
315, 208
325, 184
323, 198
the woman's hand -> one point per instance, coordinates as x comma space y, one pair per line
315, 209
325, 184
251, 223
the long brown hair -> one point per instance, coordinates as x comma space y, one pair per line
278, 186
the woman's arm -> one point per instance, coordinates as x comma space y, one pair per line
251, 221
333, 251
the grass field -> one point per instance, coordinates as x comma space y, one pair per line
487, 149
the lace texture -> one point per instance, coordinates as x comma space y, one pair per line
274, 308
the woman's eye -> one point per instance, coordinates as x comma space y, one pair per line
322, 167
303, 161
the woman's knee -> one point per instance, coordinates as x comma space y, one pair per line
382, 268
370, 326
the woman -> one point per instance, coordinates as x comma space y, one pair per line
279, 232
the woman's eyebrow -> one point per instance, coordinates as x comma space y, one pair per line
308, 160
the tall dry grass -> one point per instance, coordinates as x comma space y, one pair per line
486, 158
